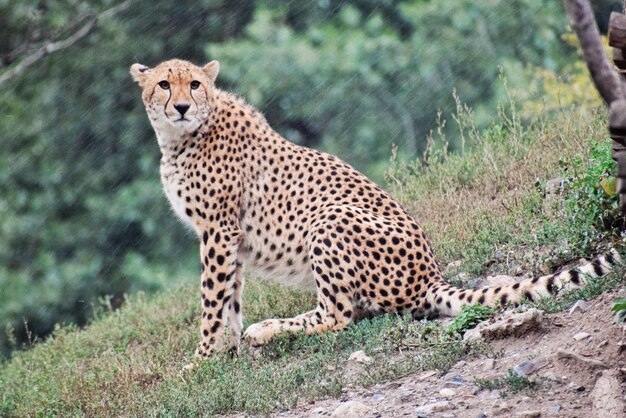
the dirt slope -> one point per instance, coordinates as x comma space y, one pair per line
567, 387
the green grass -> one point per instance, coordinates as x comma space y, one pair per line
509, 384
129, 363
485, 200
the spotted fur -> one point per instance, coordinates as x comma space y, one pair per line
296, 215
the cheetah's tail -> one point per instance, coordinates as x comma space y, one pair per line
449, 301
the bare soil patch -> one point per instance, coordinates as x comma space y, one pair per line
564, 386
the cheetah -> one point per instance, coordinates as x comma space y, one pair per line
296, 215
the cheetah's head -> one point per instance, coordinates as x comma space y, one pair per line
177, 95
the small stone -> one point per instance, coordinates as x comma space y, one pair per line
489, 394
433, 407
516, 269
378, 396
501, 408
448, 393
528, 414
489, 364
580, 305
448, 377
553, 378
575, 387
360, 357
528, 367
582, 336
331, 368
481, 415
447, 415
351, 409
554, 409
318, 411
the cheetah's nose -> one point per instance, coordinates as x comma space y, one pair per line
182, 108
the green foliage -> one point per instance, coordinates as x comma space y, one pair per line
619, 307
469, 317
587, 202
511, 383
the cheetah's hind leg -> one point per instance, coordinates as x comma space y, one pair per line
316, 321
329, 315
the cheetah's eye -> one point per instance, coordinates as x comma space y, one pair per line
164, 85
194, 84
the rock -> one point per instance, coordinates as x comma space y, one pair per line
510, 323
580, 305
575, 387
433, 407
319, 411
562, 354
360, 357
528, 367
481, 415
489, 364
489, 394
528, 414
351, 409
500, 280
501, 408
554, 409
553, 378
607, 395
426, 375
448, 393
378, 396
450, 376
582, 336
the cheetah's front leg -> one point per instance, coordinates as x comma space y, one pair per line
218, 250
235, 317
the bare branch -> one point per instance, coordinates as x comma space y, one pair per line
602, 72
54, 46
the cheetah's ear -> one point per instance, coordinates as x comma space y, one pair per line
138, 72
211, 70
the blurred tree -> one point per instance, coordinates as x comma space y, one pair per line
358, 83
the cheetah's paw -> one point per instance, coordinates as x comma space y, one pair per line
262, 332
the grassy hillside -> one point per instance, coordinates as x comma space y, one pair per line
483, 208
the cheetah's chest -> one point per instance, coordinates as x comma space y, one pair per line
173, 182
